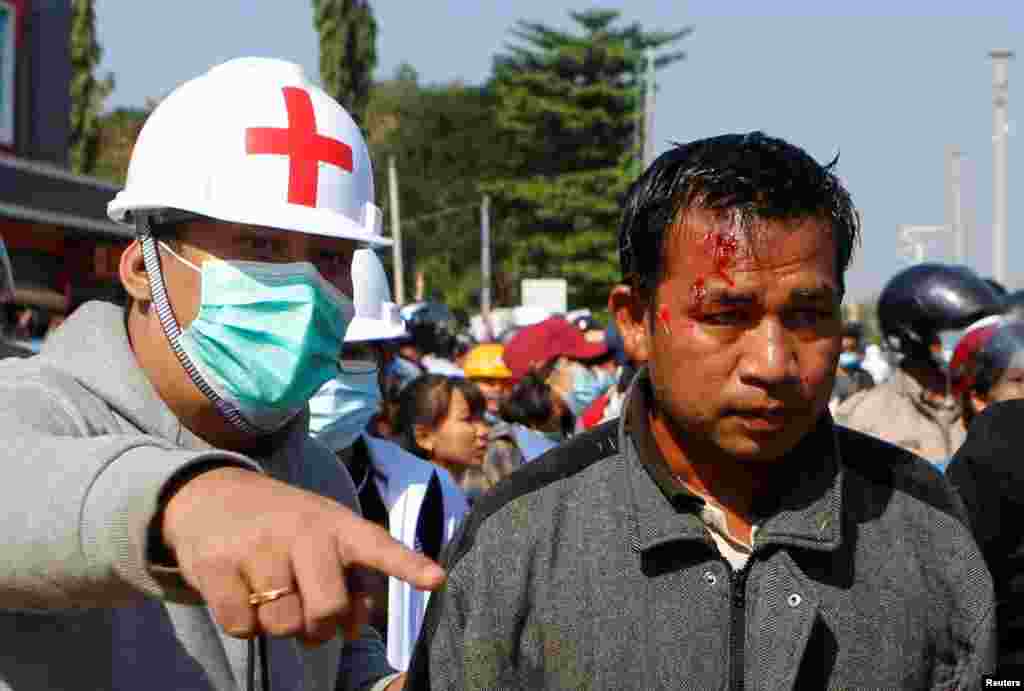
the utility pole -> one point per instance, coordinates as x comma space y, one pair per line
914, 237
396, 232
1000, 135
485, 258
649, 110
954, 209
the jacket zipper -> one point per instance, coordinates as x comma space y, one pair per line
738, 625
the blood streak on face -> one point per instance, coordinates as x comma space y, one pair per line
723, 250
722, 247
698, 291
663, 314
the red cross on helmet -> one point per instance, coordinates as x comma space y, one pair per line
252, 141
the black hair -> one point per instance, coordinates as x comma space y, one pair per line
426, 400
759, 176
530, 404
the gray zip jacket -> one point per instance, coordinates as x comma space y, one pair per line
580, 571
87, 446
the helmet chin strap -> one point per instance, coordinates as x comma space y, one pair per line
172, 330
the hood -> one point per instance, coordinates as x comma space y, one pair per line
92, 347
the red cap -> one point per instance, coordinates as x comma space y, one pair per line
536, 345
961, 366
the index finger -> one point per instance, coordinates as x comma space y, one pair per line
363, 543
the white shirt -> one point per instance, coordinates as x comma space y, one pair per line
402, 490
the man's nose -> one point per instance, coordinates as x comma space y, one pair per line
768, 357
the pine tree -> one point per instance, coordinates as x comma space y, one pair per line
87, 93
569, 104
348, 51
445, 142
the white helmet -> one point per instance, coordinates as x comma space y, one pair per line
252, 141
377, 318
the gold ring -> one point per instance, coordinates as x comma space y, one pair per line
257, 599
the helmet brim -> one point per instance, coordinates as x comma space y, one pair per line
291, 217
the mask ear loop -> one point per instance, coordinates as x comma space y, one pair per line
180, 258
172, 330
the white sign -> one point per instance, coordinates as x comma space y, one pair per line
7, 60
550, 294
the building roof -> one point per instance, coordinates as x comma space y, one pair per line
44, 193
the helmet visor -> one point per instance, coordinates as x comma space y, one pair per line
6, 275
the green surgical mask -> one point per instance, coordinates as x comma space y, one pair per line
267, 336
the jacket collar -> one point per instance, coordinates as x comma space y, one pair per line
946, 412
807, 514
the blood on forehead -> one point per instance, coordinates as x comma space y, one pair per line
725, 237
709, 245
721, 247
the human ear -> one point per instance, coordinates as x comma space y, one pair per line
978, 402
424, 438
633, 320
132, 271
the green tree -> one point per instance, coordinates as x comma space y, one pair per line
118, 131
568, 105
445, 142
348, 51
87, 93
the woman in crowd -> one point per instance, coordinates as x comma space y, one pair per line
441, 419
536, 405
554, 357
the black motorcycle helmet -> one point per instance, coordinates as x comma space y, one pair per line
432, 328
920, 302
998, 287
1014, 305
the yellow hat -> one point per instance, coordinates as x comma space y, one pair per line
487, 362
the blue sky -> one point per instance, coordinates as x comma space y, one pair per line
890, 87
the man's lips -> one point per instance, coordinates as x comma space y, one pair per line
766, 418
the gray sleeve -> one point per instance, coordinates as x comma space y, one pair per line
364, 662
78, 504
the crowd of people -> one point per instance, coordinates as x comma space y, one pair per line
260, 472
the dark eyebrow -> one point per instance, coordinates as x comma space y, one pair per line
729, 298
824, 293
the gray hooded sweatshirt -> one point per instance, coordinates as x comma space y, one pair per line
87, 446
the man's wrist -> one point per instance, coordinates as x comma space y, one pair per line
158, 547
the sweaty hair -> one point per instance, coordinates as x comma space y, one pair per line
426, 400
760, 177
